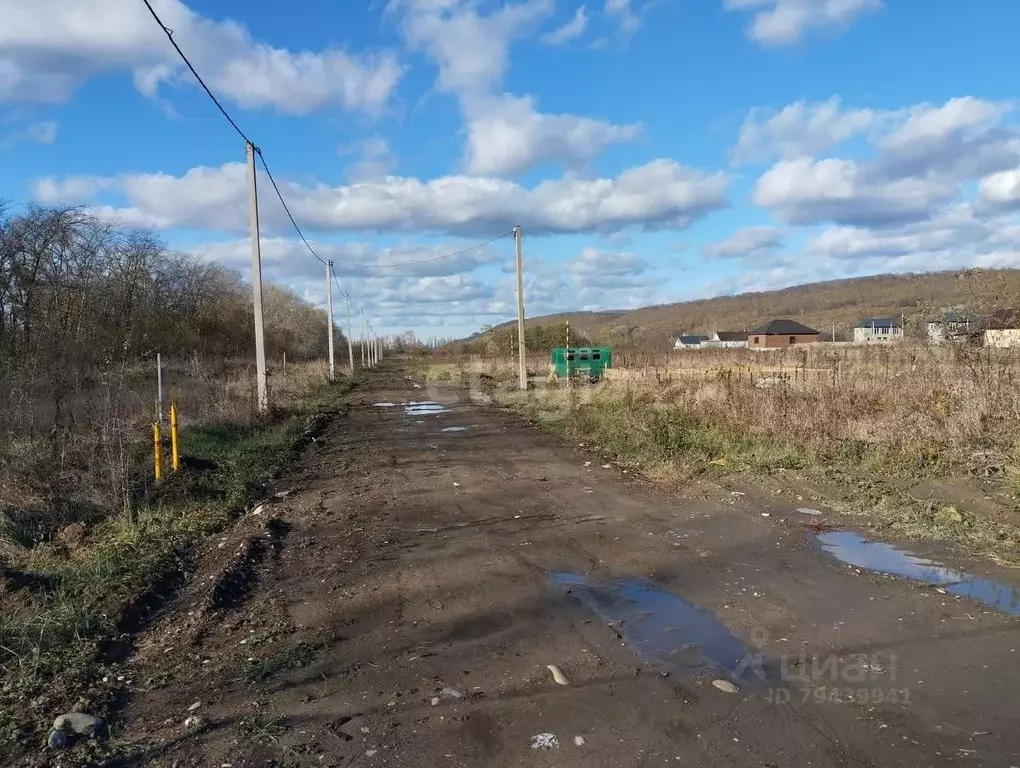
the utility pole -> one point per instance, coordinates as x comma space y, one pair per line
329, 305
261, 384
364, 349
522, 363
350, 342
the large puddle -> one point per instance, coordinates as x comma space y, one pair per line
854, 549
663, 627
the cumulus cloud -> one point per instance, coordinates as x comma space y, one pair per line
572, 30
661, 194
49, 48
1001, 189
598, 269
747, 242
471, 50
800, 129
508, 135
784, 22
924, 157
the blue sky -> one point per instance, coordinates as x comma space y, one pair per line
652, 150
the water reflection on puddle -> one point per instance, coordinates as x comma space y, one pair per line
664, 627
424, 409
416, 409
455, 429
854, 549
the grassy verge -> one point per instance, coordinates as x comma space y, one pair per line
68, 605
673, 439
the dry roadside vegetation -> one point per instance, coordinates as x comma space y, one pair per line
875, 422
90, 546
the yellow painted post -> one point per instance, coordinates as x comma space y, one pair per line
175, 454
157, 451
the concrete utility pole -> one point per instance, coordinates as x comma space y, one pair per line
329, 305
261, 383
350, 342
364, 349
522, 363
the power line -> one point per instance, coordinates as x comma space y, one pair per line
283, 202
435, 258
170, 36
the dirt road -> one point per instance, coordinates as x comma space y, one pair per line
401, 607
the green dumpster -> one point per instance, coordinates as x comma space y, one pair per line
590, 362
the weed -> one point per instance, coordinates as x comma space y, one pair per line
263, 669
262, 729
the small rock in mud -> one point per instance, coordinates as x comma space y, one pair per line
725, 686
195, 721
579, 741
72, 724
558, 675
194, 706
544, 741
452, 692
79, 722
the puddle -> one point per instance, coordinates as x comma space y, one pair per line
383, 405
854, 549
663, 627
455, 429
424, 408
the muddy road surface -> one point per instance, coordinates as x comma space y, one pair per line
402, 603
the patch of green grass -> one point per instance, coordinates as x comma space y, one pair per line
262, 729
263, 669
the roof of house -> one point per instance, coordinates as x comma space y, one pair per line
692, 339
879, 322
785, 328
732, 335
1003, 320
954, 316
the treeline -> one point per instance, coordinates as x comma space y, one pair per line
503, 339
79, 293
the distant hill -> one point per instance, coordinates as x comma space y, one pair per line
820, 305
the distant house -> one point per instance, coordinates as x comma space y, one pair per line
882, 329
727, 340
781, 333
953, 326
687, 341
1002, 329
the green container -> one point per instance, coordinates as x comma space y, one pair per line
589, 362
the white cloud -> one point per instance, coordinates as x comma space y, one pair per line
660, 194
799, 129
572, 30
1001, 188
507, 135
805, 191
44, 132
373, 159
924, 158
626, 17
747, 242
784, 22
471, 50
48, 48
600, 269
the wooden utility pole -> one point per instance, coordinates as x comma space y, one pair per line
261, 383
521, 361
329, 311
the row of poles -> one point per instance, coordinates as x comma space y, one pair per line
371, 345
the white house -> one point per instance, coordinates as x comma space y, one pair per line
878, 329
